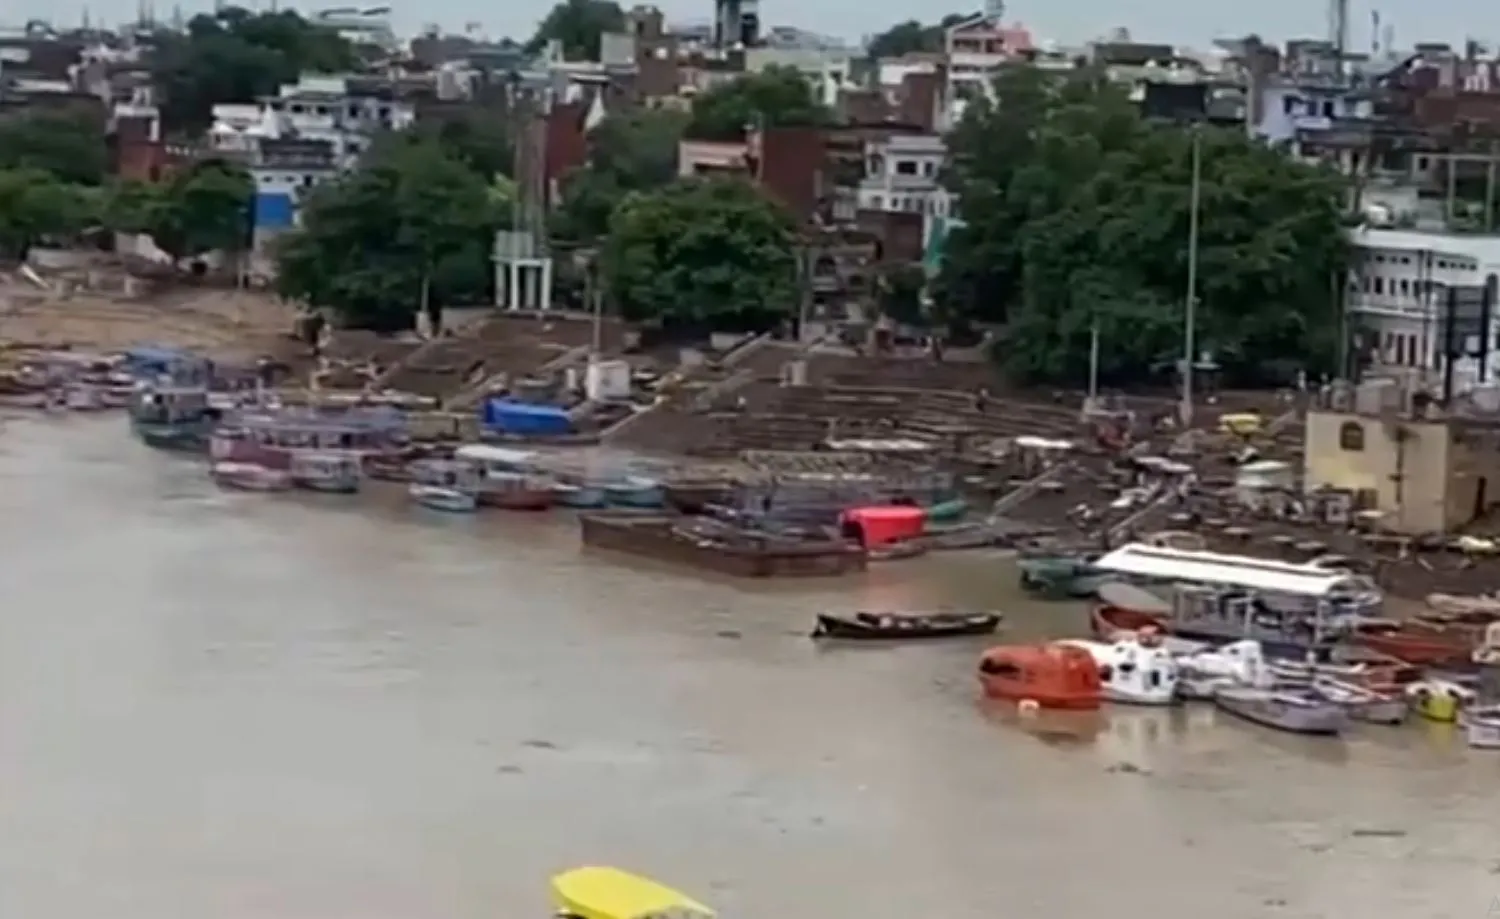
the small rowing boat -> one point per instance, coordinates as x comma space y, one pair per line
898, 626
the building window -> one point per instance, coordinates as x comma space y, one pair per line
1352, 436
1379, 285
877, 203
906, 167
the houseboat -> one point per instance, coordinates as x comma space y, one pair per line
1291, 609
1049, 676
445, 485
271, 437
314, 470
249, 476
172, 417
508, 479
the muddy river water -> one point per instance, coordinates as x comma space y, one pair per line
239, 707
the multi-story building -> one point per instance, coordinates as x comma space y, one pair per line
902, 174
976, 47
307, 133
1398, 297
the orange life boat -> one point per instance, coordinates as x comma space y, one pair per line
1052, 676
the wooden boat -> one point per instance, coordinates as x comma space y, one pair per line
895, 551
580, 495
1482, 727
1047, 676
337, 473
516, 491
1388, 707
900, 626
1417, 643
1297, 712
635, 491
445, 485
693, 497
947, 511
1133, 671
250, 477
609, 893
444, 498
1061, 575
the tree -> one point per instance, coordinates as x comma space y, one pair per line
1076, 212
627, 153
35, 207
578, 26
478, 138
911, 37
236, 56
702, 254
777, 97
900, 289
201, 209
67, 143
412, 225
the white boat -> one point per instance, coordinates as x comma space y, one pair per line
1482, 727
331, 472
1362, 703
1131, 671
1239, 663
250, 477
442, 498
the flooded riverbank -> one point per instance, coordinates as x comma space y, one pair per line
239, 706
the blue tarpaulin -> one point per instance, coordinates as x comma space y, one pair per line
520, 418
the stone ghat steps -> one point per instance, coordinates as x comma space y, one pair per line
679, 423
503, 344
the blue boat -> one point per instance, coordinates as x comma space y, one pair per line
172, 418
581, 495
636, 491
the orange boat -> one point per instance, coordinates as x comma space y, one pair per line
1052, 676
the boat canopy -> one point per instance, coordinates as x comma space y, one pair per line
495, 456
610, 893
1140, 560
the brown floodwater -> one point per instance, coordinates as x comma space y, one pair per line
227, 706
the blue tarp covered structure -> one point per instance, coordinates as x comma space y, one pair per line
512, 417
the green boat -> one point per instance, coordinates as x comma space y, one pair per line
947, 511
1061, 576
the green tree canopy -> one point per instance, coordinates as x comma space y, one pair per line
627, 153
777, 97
478, 138
910, 37
413, 223
702, 254
204, 208
36, 208
235, 56
1076, 211
578, 25
67, 143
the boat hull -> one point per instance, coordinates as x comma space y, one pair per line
1482, 728
866, 627
586, 497
643, 496
182, 438
443, 499
517, 499
1295, 714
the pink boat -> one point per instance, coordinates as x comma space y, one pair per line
251, 477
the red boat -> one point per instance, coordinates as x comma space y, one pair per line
1051, 676
1425, 644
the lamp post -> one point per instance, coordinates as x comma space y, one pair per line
1190, 317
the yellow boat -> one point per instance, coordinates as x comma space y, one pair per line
1244, 424
1438, 700
609, 893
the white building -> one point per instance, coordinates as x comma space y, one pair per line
902, 173
1398, 293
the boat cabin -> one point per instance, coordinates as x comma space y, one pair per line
493, 462
326, 471
443, 473
271, 438
1051, 676
153, 404
609, 893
